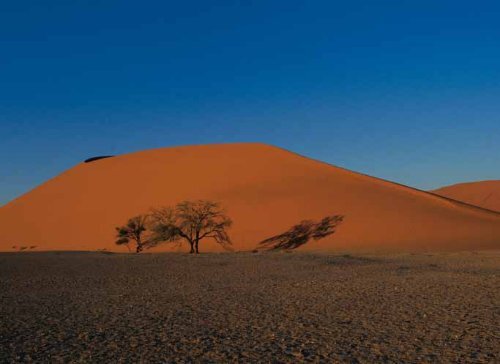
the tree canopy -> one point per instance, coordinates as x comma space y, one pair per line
191, 221
133, 230
188, 221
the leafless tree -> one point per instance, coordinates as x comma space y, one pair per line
191, 221
134, 231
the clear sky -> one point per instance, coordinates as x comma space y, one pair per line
404, 90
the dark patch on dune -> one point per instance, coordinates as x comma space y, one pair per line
301, 233
93, 159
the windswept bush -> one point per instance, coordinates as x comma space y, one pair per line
133, 231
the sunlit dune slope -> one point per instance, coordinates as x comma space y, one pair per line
485, 194
264, 189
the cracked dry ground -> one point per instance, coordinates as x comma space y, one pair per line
244, 307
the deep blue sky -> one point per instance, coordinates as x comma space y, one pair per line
404, 90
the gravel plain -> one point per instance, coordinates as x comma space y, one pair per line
63, 307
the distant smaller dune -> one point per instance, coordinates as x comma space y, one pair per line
93, 159
485, 194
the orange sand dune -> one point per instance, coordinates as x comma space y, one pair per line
485, 194
264, 189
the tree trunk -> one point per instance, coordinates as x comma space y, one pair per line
139, 246
197, 241
192, 247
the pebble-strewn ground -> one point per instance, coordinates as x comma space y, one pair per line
244, 307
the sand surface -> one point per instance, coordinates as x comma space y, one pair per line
484, 194
243, 307
265, 190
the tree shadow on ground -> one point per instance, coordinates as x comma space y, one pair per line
301, 233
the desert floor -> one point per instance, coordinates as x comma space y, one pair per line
244, 307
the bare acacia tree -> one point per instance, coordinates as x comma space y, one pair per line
133, 230
191, 221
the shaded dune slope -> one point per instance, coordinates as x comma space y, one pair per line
484, 194
264, 189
